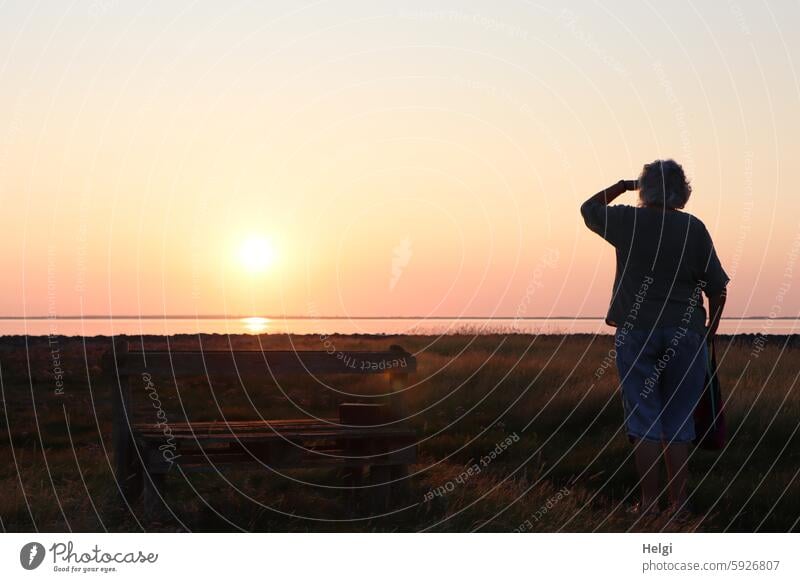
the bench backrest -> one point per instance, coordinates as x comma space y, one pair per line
256, 362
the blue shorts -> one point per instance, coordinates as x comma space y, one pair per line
662, 372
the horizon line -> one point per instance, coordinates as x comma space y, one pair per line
328, 317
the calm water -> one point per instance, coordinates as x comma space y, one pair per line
256, 325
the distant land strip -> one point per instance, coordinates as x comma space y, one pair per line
339, 317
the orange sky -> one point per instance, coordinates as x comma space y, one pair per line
427, 159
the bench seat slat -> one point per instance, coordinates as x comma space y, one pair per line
218, 462
216, 425
267, 434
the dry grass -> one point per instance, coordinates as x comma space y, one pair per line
471, 393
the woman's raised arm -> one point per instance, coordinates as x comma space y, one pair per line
607, 196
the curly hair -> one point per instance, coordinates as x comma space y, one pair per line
663, 183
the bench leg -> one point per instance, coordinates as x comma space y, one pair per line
399, 474
153, 484
128, 471
380, 496
353, 479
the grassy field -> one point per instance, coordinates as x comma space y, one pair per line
548, 404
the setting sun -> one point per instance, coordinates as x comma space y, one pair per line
257, 254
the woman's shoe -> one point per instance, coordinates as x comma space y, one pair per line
679, 514
636, 510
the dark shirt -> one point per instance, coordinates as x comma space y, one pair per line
665, 260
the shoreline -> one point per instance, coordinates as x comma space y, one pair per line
789, 340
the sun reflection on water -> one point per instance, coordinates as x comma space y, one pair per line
255, 324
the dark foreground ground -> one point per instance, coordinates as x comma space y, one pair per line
552, 399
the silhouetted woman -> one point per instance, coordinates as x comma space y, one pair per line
665, 263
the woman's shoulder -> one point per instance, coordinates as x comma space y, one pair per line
679, 216
697, 230
695, 221
623, 208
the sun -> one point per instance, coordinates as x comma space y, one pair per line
257, 254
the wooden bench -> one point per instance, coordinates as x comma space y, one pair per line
363, 436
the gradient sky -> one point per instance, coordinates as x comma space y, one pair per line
414, 158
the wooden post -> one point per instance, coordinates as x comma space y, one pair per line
380, 477
152, 495
398, 380
127, 467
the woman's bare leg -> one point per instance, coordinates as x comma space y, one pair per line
677, 456
647, 454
